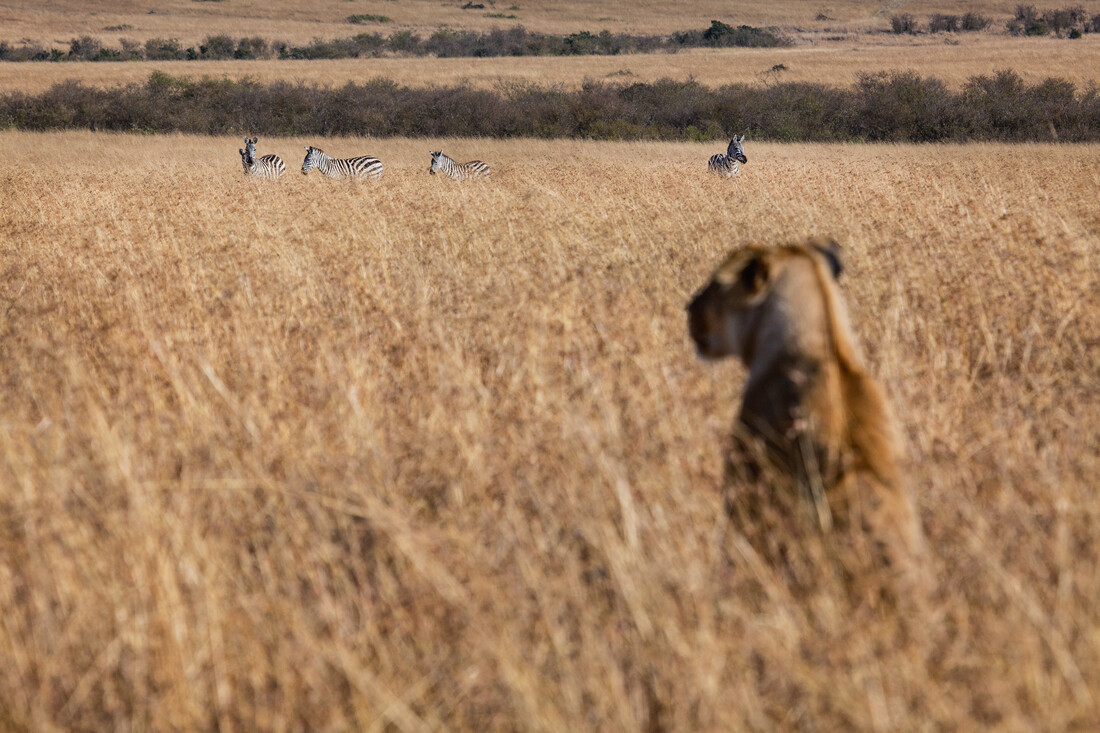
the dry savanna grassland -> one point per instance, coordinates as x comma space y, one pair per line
289, 20
839, 64
833, 42
422, 455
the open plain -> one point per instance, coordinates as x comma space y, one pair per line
55, 21
423, 455
834, 63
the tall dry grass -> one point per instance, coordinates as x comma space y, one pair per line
424, 455
837, 63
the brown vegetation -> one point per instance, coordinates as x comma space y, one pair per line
189, 21
828, 63
901, 107
411, 456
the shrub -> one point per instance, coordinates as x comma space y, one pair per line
131, 50
1027, 22
84, 48
975, 22
403, 41
580, 44
722, 35
516, 41
29, 52
904, 23
361, 18
904, 107
251, 48
887, 107
1061, 21
217, 47
163, 49
940, 23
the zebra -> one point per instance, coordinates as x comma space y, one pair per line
726, 165
456, 170
365, 166
270, 166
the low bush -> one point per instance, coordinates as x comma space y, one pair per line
516, 41
360, 18
164, 49
1027, 21
28, 52
1065, 20
903, 23
899, 107
940, 23
251, 48
217, 47
975, 22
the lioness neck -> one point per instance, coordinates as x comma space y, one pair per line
792, 360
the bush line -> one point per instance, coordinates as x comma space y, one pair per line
1071, 22
901, 107
517, 41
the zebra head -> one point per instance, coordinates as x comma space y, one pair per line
313, 158
250, 149
735, 150
245, 160
435, 162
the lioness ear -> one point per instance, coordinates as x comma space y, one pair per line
754, 275
830, 250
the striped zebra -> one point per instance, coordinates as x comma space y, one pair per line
456, 170
726, 165
270, 166
365, 166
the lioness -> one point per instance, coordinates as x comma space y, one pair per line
809, 410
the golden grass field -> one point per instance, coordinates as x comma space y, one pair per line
421, 455
834, 63
190, 21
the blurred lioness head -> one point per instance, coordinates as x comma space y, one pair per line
808, 409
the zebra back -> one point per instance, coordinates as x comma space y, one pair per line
456, 170
723, 165
727, 164
270, 166
364, 166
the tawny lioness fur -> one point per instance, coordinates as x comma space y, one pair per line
809, 409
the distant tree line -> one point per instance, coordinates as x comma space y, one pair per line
1072, 22
517, 41
902, 107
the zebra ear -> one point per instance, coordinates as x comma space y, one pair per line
241, 151
255, 140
